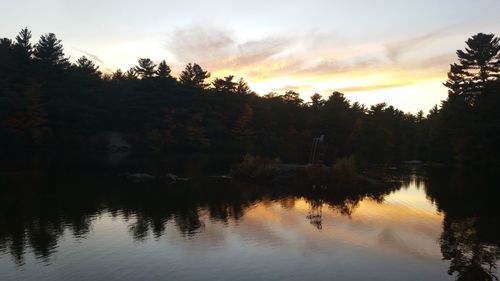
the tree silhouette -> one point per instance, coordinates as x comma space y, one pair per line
194, 76
82, 103
292, 97
49, 50
225, 84
118, 75
87, 67
131, 74
23, 45
242, 87
146, 68
163, 70
317, 101
478, 64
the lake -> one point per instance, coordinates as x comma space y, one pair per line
431, 225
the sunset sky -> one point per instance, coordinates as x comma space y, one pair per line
373, 51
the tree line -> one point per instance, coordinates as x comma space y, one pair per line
53, 111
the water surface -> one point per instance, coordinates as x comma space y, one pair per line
92, 229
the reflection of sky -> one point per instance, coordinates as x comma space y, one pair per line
394, 51
395, 240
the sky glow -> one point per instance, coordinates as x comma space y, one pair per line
373, 51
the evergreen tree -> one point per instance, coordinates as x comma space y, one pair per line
293, 98
131, 74
87, 67
5, 58
242, 87
118, 75
317, 101
164, 70
49, 50
225, 84
146, 68
23, 46
194, 76
477, 64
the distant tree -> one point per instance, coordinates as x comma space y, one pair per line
146, 68
49, 50
87, 67
5, 43
194, 76
292, 97
242, 87
164, 70
5, 52
30, 118
118, 75
241, 126
225, 84
317, 101
271, 95
478, 64
23, 46
131, 74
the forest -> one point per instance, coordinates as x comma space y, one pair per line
56, 113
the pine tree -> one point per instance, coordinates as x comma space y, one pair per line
146, 68
194, 76
317, 101
118, 75
23, 46
478, 64
164, 70
49, 50
292, 97
242, 88
131, 74
225, 84
87, 67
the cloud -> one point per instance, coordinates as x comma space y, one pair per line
199, 43
92, 56
437, 61
260, 50
216, 48
372, 87
331, 67
398, 48
295, 88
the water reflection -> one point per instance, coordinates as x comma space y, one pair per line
394, 222
471, 229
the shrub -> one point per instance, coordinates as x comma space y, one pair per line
254, 168
345, 170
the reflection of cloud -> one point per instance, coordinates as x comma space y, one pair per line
388, 238
92, 56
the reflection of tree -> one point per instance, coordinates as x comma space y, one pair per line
470, 238
470, 258
315, 215
37, 213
